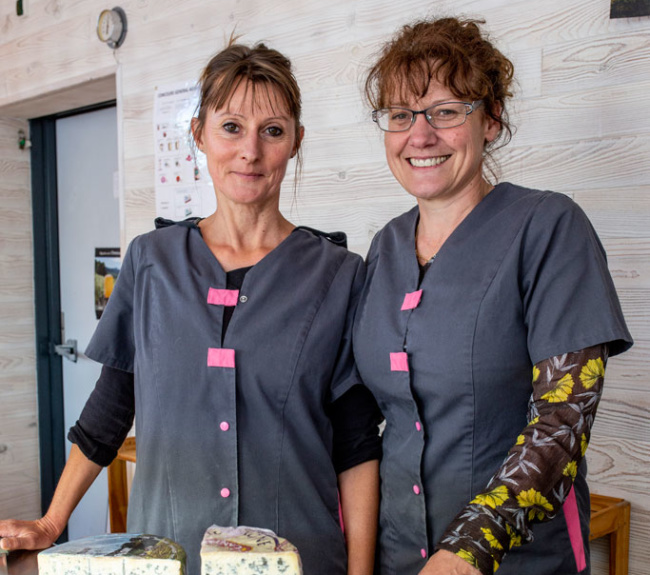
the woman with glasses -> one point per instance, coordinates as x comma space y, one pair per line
485, 324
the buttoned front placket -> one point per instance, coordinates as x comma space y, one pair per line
223, 362
413, 431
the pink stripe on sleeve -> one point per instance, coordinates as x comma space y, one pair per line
412, 300
227, 297
572, 517
399, 361
219, 357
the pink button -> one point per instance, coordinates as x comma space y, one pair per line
418, 426
423, 553
412, 300
224, 426
416, 490
399, 361
225, 492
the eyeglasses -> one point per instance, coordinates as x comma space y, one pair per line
444, 115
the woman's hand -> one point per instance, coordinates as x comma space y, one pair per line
78, 474
16, 534
447, 563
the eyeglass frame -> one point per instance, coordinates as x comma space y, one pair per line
470, 107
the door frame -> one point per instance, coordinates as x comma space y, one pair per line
47, 300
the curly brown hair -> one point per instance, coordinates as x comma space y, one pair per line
452, 51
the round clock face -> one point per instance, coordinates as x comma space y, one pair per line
106, 25
110, 27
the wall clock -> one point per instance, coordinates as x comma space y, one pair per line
111, 27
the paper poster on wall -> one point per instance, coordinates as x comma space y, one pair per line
183, 186
629, 8
107, 268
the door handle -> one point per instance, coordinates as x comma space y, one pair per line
67, 350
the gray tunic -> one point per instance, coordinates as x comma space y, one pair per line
523, 278
235, 434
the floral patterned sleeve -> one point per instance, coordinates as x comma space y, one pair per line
538, 472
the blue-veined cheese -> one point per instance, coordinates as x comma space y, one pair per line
114, 554
247, 551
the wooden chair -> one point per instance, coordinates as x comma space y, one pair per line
118, 489
609, 515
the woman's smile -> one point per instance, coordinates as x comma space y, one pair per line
428, 162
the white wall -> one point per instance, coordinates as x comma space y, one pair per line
584, 129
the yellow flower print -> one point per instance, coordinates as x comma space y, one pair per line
536, 373
584, 443
592, 372
534, 420
571, 469
494, 498
491, 539
536, 502
468, 556
515, 538
520, 440
561, 391
496, 566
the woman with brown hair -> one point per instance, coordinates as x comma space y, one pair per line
485, 324
230, 339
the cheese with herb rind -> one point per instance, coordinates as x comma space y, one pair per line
114, 554
247, 551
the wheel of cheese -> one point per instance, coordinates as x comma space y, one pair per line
245, 550
114, 554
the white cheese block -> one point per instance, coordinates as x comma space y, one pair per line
114, 554
247, 551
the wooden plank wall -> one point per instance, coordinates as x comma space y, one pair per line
583, 129
19, 471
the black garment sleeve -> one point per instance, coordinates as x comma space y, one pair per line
355, 418
107, 416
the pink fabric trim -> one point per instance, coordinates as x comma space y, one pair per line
572, 517
218, 357
227, 297
412, 300
399, 361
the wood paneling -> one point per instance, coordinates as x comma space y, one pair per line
19, 480
596, 62
583, 129
68, 98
